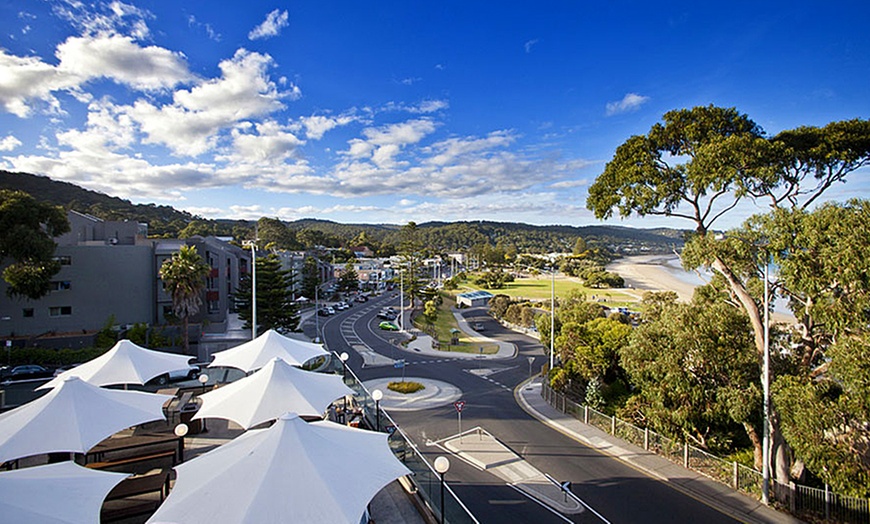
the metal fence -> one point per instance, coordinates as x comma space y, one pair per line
425, 479
805, 502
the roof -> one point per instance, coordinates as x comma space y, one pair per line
475, 295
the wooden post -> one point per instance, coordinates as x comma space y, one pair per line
686, 455
646, 438
736, 476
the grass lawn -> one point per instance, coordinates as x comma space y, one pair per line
539, 288
445, 322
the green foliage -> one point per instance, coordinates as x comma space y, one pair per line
52, 357
825, 418
27, 231
183, 278
406, 388
349, 278
276, 308
696, 373
107, 336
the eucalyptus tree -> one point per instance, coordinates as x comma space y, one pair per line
184, 279
702, 163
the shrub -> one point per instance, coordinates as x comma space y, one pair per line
405, 388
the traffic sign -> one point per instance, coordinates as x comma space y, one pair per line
459, 405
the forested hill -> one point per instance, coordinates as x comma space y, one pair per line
166, 221
160, 219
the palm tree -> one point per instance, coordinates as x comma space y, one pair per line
184, 279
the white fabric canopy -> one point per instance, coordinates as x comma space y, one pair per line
257, 353
293, 472
125, 363
273, 390
74, 417
62, 493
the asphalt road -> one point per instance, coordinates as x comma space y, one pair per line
613, 491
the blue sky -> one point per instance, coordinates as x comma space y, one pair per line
394, 111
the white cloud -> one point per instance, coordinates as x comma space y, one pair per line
105, 19
316, 126
190, 126
529, 44
570, 184
119, 58
271, 26
630, 102
8, 143
25, 80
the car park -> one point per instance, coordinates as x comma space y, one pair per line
388, 326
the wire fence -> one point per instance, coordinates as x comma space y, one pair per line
426, 480
811, 504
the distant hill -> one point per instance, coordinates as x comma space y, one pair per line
167, 221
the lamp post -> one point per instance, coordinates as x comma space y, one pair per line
344, 356
552, 314
765, 387
401, 301
442, 464
377, 395
316, 315
253, 246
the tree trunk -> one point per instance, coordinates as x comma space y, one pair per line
185, 342
757, 454
781, 456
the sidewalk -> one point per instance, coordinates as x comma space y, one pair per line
695, 485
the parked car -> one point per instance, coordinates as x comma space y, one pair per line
386, 315
188, 373
61, 369
27, 372
478, 326
388, 326
361, 298
323, 312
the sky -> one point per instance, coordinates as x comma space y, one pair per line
397, 111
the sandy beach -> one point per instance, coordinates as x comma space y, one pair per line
655, 273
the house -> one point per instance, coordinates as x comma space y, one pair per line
473, 299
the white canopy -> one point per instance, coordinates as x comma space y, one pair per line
125, 363
294, 471
272, 391
74, 417
62, 493
257, 353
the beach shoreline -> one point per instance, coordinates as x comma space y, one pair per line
652, 273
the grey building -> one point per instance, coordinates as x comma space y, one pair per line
110, 269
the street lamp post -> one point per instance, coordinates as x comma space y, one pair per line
253, 245
442, 464
316, 315
765, 386
344, 356
552, 314
401, 301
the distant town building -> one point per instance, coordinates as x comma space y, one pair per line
473, 298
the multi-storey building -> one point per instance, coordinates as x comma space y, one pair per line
109, 270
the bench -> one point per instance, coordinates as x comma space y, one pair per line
121, 509
138, 464
153, 481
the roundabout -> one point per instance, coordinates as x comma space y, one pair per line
434, 394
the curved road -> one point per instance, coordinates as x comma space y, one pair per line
616, 492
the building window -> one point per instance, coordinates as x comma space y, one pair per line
65, 260
59, 285
60, 311
27, 312
214, 306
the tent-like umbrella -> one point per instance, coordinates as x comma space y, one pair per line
257, 353
73, 418
294, 471
62, 493
125, 363
273, 390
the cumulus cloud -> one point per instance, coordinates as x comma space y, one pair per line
8, 143
120, 59
316, 125
630, 102
271, 26
28, 81
190, 125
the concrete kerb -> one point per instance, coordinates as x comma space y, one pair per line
714, 494
435, 394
